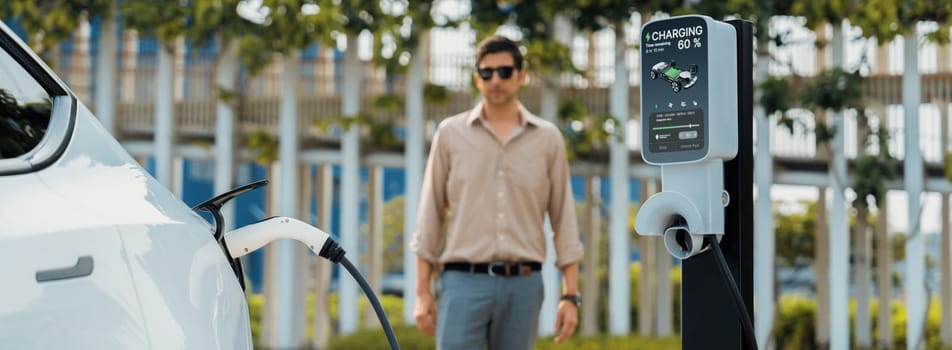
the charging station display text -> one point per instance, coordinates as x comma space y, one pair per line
675, 89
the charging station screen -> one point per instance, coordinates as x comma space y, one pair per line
675, 90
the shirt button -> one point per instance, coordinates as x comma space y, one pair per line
501, 237
499, 194
499, 215
499, 173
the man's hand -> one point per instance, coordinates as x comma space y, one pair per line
425, 313
565, 320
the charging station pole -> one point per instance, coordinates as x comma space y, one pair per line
708, 319
697, 124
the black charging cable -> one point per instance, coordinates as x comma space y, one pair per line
748, 328
333, 252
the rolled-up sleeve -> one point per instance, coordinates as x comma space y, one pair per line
427, 241
568, 248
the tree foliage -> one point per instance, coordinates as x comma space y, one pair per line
885, 19
835, 90
596, 15
818, 12
404, 29
586, 135
156, 18
264, 146
795, 236
760, 12
393, 235
873, 171
287, 26
50, 22
359, 15
208, 19
536, 23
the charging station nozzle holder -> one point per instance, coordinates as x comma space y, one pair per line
689, 207
689, 127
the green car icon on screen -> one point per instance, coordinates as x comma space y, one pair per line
679, 78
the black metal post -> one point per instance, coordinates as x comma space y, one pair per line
708, 318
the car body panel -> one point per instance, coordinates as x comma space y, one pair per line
73, 313
158, 278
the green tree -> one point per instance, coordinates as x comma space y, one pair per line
393, 239
50, 22
288, 26
156, 18
796, 236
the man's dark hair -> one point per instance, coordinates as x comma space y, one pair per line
496, 44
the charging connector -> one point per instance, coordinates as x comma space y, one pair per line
252, 237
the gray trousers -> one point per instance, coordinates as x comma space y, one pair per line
476, 311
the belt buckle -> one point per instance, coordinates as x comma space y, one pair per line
489, 269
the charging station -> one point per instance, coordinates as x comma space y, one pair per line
696, 115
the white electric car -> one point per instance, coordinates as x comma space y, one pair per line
94, 253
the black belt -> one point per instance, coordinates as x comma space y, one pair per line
495, 268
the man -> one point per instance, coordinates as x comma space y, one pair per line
492, 174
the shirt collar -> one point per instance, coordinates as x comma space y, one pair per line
526, 117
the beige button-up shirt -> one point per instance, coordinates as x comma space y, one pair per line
484, 200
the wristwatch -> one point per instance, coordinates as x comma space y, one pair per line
575, 298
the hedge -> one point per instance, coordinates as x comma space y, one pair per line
411, 338
797, 323
795, 327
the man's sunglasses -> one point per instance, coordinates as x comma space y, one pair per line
505, 72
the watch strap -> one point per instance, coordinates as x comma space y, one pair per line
574, 298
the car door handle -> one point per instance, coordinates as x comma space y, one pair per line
83, 268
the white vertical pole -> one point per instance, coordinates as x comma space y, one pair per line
945, 251
178, 175
883, 285
178, 70
619, 234
164, 104
822, 268
80, 66
105, 99
649, 247
414, 172
839, 232
550, 278
225, 75
130, 48
322, 269
764, 249
946, 273
592, 226
374, 253
350, 183
289, 326
912, 179
547, 110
